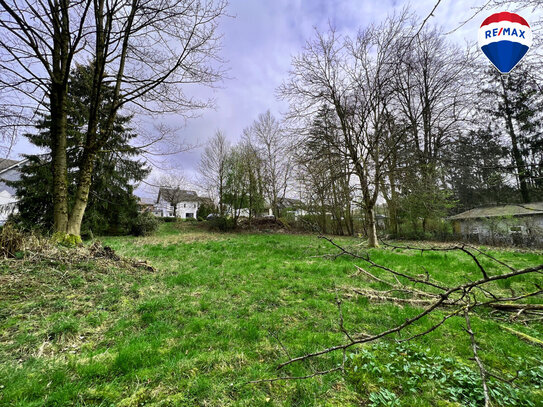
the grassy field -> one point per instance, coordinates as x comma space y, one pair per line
224, 309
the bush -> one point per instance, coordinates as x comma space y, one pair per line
12, 241
145, 224
166, 219
222, 224
205, 209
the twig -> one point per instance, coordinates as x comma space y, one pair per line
276, 337
275, 379
341, 326
474, 348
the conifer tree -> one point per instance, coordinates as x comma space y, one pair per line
112, 206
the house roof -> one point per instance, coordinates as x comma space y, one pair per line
285, 203
6, 163
146, 201
181, 195
535, 208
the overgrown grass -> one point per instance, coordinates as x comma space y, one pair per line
224, 309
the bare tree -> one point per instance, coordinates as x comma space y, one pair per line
38, 47
145, 49
355, 77
431, 103
212, 166
272, 144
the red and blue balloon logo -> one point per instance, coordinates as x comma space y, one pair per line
505, 38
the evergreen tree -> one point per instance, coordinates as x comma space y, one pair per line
112, 207
475, 170
517, 102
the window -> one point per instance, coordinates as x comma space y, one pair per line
190, 215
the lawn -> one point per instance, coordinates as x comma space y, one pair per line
220, 310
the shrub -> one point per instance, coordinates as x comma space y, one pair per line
12, 241
206, 208
167, 219
145, 224
222, 223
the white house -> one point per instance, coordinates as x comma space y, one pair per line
9, 171
187, 205
287, 206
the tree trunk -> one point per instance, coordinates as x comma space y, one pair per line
59, 119
59, 161
221, 204
82, 194
371, 227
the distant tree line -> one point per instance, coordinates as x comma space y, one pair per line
396, 121
411, 125
251, 176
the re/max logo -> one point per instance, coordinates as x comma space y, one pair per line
505, 31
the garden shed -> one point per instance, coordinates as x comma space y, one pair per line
516, 224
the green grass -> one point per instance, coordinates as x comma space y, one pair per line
221, 310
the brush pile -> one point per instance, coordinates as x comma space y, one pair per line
19, 245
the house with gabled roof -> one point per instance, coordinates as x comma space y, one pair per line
176, 202
517, 224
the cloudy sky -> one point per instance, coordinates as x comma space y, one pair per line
259, 41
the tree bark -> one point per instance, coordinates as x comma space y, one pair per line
58, 109
82, 195
371, 227
59, 162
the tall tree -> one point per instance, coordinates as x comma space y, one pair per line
236, 188
40, 43
272, 144
252, 175
145, 70
356, 77
516, 102
431, 103
212, 167
112, 206
326, 173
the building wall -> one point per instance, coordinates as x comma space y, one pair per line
185, 210
521, 230
9, 175
8, 200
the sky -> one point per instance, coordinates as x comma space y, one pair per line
259, 41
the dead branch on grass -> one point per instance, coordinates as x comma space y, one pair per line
431, 295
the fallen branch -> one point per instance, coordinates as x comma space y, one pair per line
432, 295
516, 307
524, 337
475, 348
378, 296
